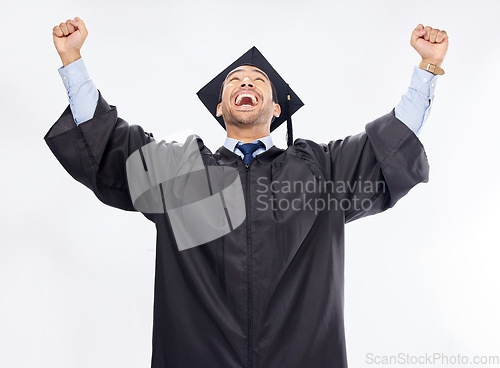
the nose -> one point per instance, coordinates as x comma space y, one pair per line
246, 82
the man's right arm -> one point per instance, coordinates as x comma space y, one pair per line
68, 39
94, 153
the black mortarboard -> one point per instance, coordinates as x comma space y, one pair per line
288, 100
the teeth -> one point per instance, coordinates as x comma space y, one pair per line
238, 99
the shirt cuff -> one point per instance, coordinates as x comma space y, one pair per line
424, 82
73, 74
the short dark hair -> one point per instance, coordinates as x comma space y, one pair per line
275, 95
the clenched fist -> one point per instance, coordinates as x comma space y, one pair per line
430, 43
68, 38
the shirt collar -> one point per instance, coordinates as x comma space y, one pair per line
231, 143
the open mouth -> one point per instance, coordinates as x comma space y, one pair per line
246, 100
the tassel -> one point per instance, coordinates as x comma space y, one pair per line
289, 130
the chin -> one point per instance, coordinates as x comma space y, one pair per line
242, 120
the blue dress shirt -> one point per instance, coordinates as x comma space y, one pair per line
413, 109
231, 144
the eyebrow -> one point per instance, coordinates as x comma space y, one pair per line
254, 70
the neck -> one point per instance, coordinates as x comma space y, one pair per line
247, 134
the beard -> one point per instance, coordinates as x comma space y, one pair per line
243, 119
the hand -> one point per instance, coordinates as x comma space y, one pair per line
68, 39
430, 43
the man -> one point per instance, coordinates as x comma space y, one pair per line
261, 284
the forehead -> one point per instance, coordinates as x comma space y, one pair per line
248, 69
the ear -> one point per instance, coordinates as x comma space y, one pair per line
219, 110
276, 110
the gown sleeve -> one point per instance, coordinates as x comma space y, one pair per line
95, 152
369, 172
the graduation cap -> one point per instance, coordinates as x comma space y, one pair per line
287, 99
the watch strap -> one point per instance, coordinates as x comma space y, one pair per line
434, 69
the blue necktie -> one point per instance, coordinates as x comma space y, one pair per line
248, 149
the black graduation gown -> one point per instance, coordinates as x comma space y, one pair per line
270, 292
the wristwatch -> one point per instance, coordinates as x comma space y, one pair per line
434, 69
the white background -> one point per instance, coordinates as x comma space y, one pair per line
76, 276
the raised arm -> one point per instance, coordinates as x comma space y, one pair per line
369, 172
94, 151
415, 105
82, 93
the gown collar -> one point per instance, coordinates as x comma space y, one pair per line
225, 157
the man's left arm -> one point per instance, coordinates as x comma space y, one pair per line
374, 169
415, 105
